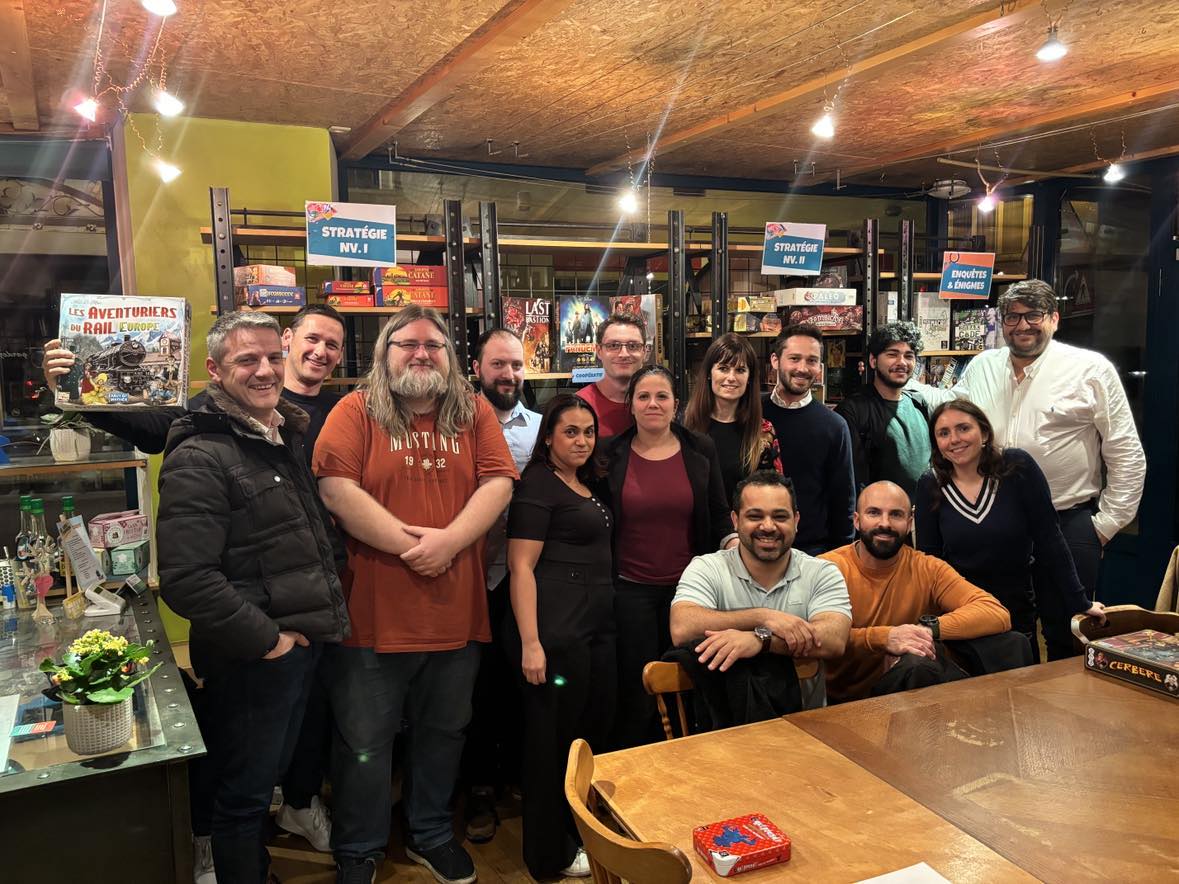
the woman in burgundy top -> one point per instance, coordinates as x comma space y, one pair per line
665, 488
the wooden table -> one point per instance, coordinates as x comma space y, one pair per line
1069, 774
845, 823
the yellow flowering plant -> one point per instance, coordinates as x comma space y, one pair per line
97, 668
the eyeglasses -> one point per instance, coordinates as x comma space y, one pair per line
412, 346
619, 346
1033, 318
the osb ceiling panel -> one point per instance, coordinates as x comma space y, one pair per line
609, 73
285, 62
601, 75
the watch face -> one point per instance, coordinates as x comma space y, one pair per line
763, 633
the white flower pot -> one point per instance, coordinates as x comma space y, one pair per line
69, 445
97, 727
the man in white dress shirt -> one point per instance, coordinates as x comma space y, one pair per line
1065, 406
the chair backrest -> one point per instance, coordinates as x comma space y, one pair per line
612, 857
660, 679
1121, 619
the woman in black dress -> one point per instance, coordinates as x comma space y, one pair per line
563, 601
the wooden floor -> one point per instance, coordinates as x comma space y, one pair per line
501, 860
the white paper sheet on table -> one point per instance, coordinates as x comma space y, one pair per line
918, 874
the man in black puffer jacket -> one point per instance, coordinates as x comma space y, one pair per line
247, 554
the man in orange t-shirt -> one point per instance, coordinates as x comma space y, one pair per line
891, 587
416, 471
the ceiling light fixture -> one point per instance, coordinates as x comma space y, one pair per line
166, 171
162, 8
825, 126
166, 103
1114, 174
986, 205
628, 203
87, 108
1053, 49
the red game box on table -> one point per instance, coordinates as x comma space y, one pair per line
741, 844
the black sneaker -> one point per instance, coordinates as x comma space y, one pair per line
356, 871
448, 862
482, 818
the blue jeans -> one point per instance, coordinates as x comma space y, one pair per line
370, 694
252, 721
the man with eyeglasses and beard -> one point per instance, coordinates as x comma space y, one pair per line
1065, 406
763, 596
494, 738
415, 469
903, 601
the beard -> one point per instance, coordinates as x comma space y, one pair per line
888, 380
499, 399
881, 543
418, 385
765, 555
1035, 348
795, 385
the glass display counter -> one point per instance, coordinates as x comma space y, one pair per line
124, 815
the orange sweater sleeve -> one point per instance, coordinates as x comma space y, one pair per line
965, 610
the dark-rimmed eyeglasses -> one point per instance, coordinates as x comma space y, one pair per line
619, 346
1031, 317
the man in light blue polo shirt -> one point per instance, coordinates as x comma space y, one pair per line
761, 596
498, 364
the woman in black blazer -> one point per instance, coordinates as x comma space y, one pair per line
666, 491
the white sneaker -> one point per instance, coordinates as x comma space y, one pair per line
313, 823
202, 860
276, 799
579, 868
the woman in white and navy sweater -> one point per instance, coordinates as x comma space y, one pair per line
987, 512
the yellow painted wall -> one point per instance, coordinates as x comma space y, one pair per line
264, 167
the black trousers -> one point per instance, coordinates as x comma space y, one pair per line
305, 774
912, 671
1076, 525
643, 615
253, 713
491, 756
575, 620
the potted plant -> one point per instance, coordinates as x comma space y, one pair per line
94, 681
69, 437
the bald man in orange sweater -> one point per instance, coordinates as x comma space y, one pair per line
892, 586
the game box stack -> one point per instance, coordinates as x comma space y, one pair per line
741, 844
1146, 658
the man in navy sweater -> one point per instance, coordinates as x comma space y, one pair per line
815, 442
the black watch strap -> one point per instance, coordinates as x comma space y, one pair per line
933, 624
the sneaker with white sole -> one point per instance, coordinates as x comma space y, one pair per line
580, 867
449, 863
312, 823
202, 860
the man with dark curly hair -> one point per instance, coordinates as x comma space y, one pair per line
889, 424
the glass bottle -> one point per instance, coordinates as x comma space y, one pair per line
23, 553
40, 542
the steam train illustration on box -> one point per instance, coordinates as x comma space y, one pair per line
123, 365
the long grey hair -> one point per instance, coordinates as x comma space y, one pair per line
456, 402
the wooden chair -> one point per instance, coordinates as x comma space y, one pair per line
1121, 619
661, 678
612, 857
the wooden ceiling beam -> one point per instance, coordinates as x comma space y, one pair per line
1120, 101
16, 67
1138, 157
998, 17
515, 20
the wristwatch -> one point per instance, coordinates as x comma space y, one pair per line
933, 624
765, 635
